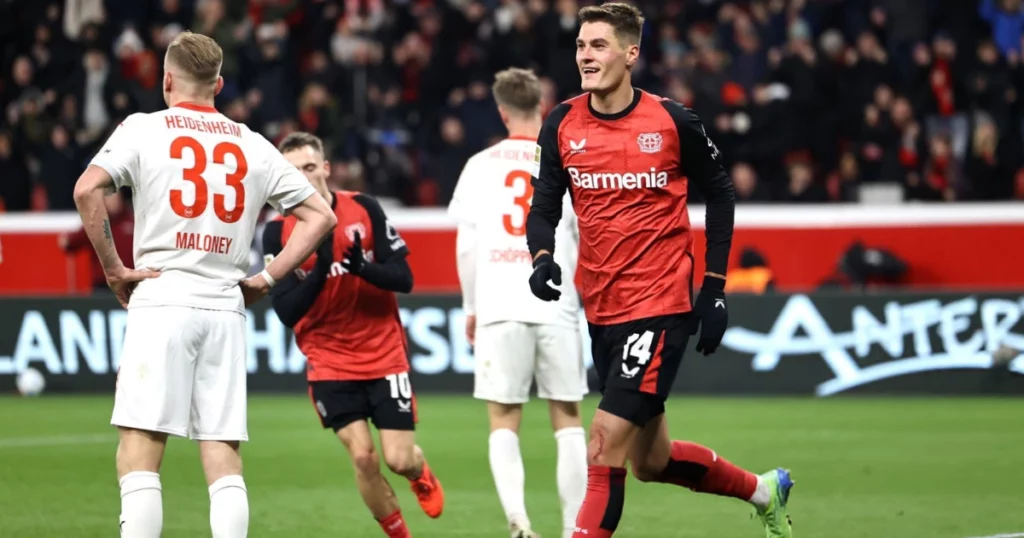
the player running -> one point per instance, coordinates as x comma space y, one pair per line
517, 337
346, 322
198, 182
626, 156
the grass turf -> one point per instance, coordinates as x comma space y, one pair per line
906, 468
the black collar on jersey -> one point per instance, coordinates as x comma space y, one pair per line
618, 115
334, 200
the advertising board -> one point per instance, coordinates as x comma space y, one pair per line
820, 345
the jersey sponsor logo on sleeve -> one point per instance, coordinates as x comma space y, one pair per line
652, 179
267, 258
711, 145
396, 240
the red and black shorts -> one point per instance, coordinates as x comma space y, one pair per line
388, 401
637, 362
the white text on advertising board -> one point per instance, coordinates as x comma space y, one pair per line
959, 346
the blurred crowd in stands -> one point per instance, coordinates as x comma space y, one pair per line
807, 99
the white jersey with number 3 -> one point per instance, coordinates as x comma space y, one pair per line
198, 181
493, 197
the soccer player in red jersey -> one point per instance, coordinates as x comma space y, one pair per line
626, 157
341, 305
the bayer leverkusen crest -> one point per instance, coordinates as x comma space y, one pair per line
649, 142
351, 229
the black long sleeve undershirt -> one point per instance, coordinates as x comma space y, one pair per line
291, 297
548, 187
702, 163
392, 275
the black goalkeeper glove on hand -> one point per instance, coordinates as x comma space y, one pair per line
354, 260
544, 269
711, 314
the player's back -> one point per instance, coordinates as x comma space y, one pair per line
494, 194
199, 181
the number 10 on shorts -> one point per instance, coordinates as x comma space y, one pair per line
637, 345
401, 388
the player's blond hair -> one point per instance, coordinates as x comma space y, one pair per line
197, 56
627, 20
518, 90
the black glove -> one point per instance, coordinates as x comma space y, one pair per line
544, 269
354, 260
711, 314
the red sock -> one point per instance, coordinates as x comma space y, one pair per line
602, 507
700, 469
394, 526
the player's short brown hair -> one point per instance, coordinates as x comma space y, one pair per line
625, 19
517, 89
299, 140
198, 56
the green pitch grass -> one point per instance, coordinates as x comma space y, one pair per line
930, 468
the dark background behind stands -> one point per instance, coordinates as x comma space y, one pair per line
807, 99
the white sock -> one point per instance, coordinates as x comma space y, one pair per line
229, 508
142, 505
762, 495
571, 471
509, 476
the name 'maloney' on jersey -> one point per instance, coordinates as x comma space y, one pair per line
198, 181
493, 196
627, 174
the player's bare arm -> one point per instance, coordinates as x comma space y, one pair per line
315, 220
93, 184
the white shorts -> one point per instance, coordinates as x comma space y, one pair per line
510, 355
183, 372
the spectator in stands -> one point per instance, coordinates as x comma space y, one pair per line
862, 91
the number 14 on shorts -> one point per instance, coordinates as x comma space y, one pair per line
638, 345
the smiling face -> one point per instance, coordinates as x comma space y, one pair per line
603, 60
608, 45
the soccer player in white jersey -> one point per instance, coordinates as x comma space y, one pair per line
517, 337
198, 182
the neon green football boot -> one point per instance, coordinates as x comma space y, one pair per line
774, 516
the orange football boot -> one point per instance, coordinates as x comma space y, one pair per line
429, 492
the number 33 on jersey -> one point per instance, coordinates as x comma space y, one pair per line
198, 182
492, 199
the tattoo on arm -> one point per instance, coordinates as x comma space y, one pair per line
106, 229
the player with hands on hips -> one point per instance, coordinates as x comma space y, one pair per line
198, 181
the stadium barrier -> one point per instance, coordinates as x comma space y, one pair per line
819, 344
925, 236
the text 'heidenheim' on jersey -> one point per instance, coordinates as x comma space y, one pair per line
203, 126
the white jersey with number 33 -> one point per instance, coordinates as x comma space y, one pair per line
493, 196
198, 181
